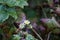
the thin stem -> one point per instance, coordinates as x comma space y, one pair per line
37, 34
48, 35
44, 12
58, 25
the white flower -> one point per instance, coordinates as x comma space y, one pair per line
22, 25
27, 22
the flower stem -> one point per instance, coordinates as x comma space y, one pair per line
44, 13
37, 34
48, 35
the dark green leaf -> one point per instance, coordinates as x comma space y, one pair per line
3, 16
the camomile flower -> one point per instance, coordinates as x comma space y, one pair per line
22, 25
27, 22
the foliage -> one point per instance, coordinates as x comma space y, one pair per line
29, 20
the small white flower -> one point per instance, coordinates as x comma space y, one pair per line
27, 22
22, 25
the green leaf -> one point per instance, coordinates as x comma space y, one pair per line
12, 12
12, 3
16, 37
3, 16
30, 37
6, 12
21, 3
1, 1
